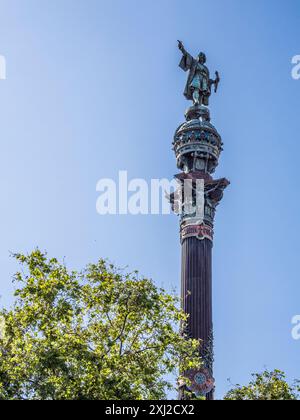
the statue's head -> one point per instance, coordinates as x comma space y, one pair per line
202, 58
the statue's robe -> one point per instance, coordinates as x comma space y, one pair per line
189, 63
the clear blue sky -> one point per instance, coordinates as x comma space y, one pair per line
93, 87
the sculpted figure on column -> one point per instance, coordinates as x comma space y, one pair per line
199, 83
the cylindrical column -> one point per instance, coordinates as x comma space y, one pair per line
196, 287
198, 145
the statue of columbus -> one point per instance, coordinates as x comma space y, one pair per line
198, 87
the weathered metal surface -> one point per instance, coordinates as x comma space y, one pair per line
199, 83
196, 294
196, 286
198, 146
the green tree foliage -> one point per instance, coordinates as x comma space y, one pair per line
266, 386
99, 334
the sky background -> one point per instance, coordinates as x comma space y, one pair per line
94, 87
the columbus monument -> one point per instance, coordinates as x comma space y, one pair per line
197, 146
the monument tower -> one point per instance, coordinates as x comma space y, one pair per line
197, 146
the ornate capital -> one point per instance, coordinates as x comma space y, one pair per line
196, 202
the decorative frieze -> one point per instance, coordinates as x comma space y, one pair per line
200, 232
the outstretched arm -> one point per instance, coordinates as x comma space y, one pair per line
181, 47
187, 60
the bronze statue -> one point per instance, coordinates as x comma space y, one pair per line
198, 87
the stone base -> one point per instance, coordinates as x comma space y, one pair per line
197, 112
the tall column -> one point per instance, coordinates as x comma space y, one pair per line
196, 292
197, 147
196, 286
